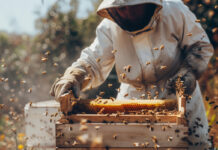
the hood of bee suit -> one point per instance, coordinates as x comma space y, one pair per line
107, 4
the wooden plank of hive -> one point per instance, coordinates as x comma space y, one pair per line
167, 135
120, 118
120, 149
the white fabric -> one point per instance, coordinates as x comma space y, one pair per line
119, 3
174, 22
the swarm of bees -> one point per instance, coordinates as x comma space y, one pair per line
127, 69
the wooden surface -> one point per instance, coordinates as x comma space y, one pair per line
131, 131
126, 135
182, 105
114, 118
120, 149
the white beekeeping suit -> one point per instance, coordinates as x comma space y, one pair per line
155, 53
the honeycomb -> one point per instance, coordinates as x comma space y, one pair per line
110, 106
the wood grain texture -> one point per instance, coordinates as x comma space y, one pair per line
126, 135
114, 118
120, 149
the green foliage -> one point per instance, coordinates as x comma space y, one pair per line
64, 35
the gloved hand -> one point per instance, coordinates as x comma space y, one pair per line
72, 80
188, 79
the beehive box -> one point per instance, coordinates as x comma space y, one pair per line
40, 126
123, 131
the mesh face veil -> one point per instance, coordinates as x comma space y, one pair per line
132, 18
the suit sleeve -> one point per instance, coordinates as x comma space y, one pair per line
97, 59
194, 42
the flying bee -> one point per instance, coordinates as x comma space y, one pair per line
55, 64
151, 128
83, 128
83, 121
153, 86
156, 146
44, 72
170, 138
198, 20
118, 89
115, 136
156, 48
114, 51
88, 78
101, 93
6, 79
162, 47
164, 128
113, 99
126, 95
44, 59
142, 96
136, 144
98, 60
149, 96
139, 89
29, 90
97, 127
212, 102
123, 75
128, 68
189, 34
196, 135
2, 106
74, 143
146, 144
199, 119
163, 67
154, 139
12, 100
3, 65
148, 63
83, 138
46, 113
47, 53
110, 85
101, 111
125, 122
200, 5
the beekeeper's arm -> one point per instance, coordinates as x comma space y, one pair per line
91, 69
195, 46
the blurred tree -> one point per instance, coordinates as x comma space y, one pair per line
206, 11
64, 35
31, 64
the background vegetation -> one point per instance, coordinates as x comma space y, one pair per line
29, 64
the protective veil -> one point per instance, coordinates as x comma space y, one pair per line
171, 42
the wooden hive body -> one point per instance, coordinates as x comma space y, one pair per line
124, 131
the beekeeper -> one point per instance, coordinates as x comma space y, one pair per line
151, 43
